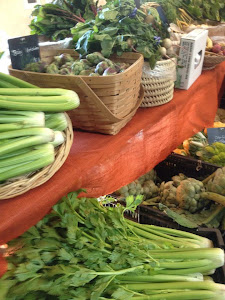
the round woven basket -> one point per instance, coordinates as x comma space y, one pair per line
211, 60
158, 90
20, 185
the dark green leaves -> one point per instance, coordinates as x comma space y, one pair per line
114, 31
57, 18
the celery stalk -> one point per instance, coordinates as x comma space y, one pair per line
15, 81
183, 295
38, 99
5, 84
12, 120
56, 121
24, 143
59, 138
17, 152
174, 234
32, 166
27, 132
29, 117
198, 285
159, 278
26, 157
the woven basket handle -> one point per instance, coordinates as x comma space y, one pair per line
98, 102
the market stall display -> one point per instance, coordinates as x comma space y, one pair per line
64, 244
136, 149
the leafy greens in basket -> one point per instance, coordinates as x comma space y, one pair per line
120, 27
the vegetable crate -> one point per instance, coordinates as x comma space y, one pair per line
175, 164
107, 103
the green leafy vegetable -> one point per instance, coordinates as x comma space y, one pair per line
55, 19
82, 250
119, 27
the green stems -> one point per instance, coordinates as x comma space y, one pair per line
11, 80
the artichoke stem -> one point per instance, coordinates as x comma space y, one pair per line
214, 197
151, 201
214, 214
206, 180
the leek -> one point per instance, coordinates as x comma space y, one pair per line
15, 81
38, 99
57, 121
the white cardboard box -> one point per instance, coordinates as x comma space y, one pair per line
191, 56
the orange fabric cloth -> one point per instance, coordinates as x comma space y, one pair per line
102, 164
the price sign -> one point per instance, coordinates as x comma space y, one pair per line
24, 50
216, 135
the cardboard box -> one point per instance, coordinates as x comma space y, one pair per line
191, 56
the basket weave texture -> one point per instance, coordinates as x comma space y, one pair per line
107, 103
211, 60
158, 90
22, 184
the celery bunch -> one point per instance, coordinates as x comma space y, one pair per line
82, 250
28, 135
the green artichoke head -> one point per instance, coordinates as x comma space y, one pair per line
167, 193
189, 195
217, 183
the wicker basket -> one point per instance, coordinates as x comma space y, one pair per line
158, 89
22, 184
211, 60
107, 102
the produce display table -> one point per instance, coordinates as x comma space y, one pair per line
101, 163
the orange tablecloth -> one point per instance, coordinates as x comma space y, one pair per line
102, 163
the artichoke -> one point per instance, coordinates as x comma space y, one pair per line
151, 175
65, 71
86, 72
39, 67
101, 67
77, 67
144, 185
188, 195
215, 154
94, 75
167, 193
87, 64
178, 178
217, 183
52, 69
65, 58
109, 71
95, 58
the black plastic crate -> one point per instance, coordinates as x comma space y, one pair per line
175, 164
